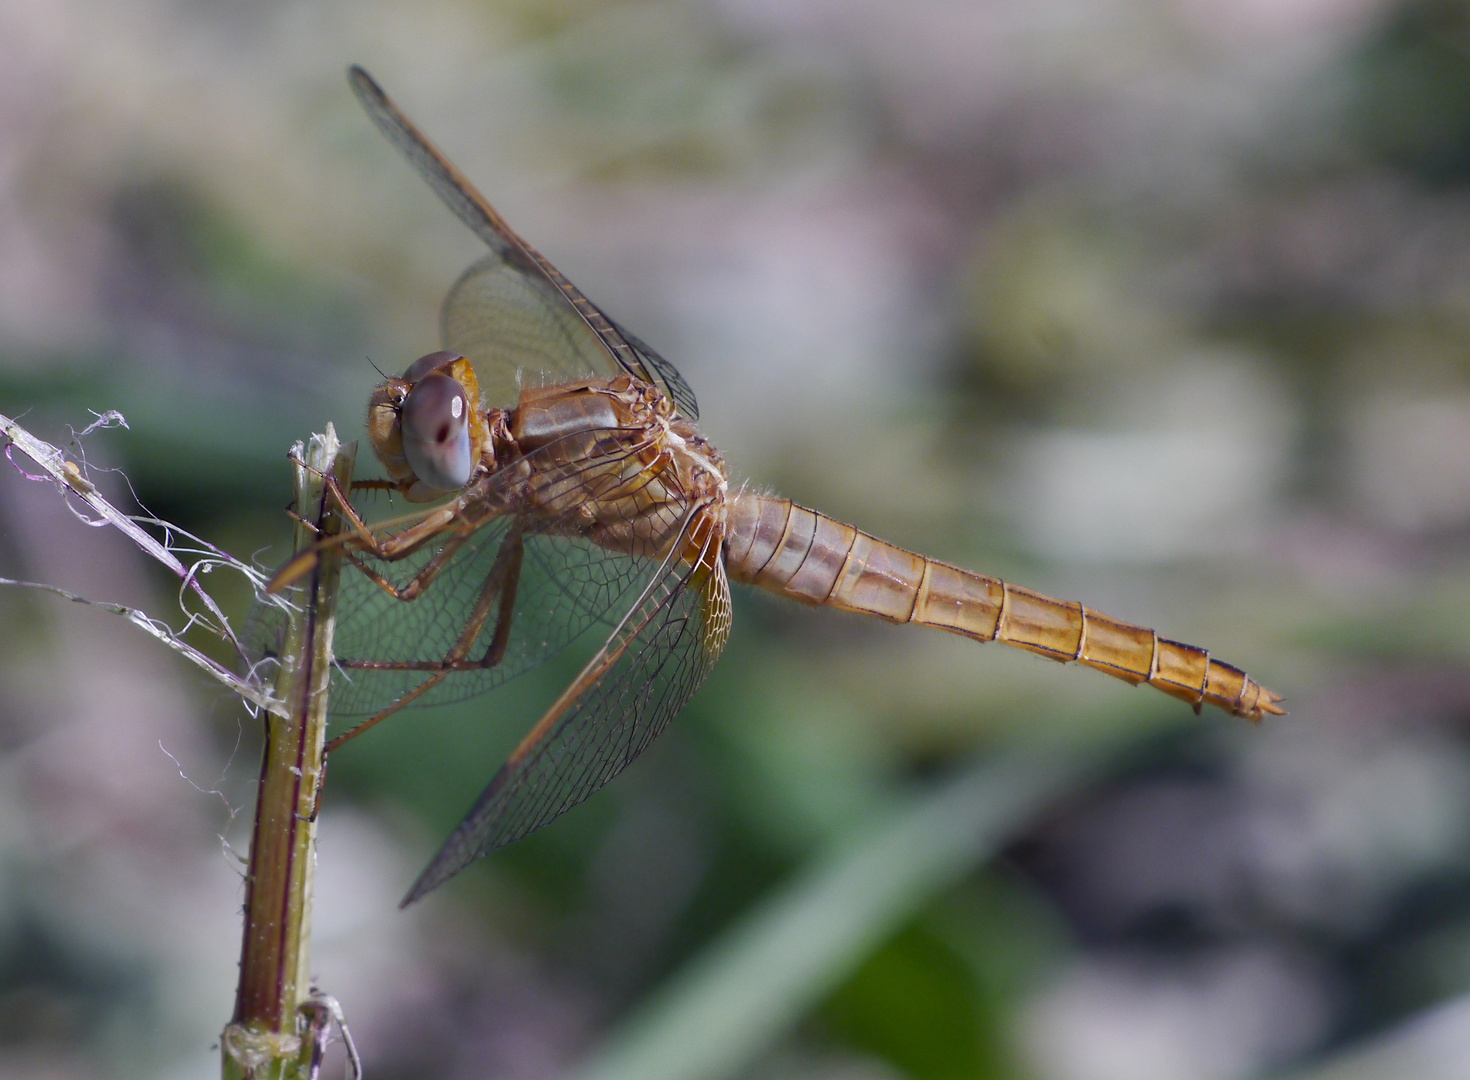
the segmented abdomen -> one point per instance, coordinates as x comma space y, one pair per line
778, 545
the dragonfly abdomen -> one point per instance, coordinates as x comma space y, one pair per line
778, 545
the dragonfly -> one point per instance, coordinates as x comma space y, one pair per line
566, 490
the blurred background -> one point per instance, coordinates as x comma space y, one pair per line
1162, 305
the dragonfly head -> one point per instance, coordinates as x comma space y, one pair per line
427, 427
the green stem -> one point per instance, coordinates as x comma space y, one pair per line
265, 1039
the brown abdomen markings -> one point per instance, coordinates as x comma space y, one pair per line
778, 545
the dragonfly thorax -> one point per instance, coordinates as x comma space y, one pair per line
548, 414
611, 460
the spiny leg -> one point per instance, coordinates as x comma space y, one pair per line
501, 583
395, 548
331, 488
379, 485
421, 580
348, 511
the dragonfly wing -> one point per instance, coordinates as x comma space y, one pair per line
386, 648
545, 310
641, 678
515, 325
664, 375
447, 181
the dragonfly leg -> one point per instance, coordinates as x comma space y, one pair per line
396, 547
334, 489
359, 528
377, 485
321, 783
499, 591
420, 581
348, 511
294, 516
409, 541
495, 651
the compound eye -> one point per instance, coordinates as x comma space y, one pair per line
427, 365
435, 421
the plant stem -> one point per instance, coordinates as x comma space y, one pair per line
265, 1040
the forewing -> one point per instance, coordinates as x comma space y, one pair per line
642, 677
447, 181
554, 330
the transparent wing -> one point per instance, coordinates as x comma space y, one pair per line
389, 650
642, 677
514, 325
554, 331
